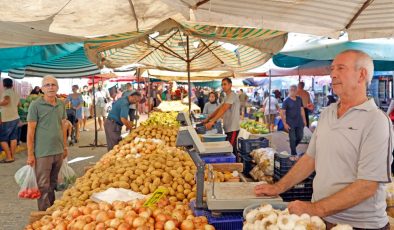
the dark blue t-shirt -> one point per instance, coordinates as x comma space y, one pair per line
293, 112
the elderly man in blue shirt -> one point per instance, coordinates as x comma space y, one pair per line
118, 116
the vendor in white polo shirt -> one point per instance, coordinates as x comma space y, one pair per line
350, 151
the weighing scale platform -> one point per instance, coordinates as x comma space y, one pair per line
235, 196
187, 136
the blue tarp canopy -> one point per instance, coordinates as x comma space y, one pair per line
22, 56
381, 51
73, 65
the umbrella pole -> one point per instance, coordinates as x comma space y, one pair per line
188, 74
269, 99
95, 144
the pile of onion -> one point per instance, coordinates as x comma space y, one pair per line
123, 216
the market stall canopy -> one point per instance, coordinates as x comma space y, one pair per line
182, 76
381, 51
16, 34
313, 68
73, 65
359, 18
276, 82
22, 56
165, 47
86, 18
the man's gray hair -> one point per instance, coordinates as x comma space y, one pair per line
48, 77
293, 87
363, 60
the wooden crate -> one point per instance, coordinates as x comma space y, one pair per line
223, 167
37, 215
229, 167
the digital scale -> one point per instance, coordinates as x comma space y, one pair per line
187, 137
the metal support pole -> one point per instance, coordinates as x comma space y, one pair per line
269, 97
188, 74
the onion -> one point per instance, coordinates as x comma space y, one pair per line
190, 217
90, 226
119, 214
75, 214
187, 225
139, 221
118, 205
161, 218
114, 223
86, 210
56, 213
101, 217
111, 214
145, 214
61, 226
93, 206
209, 227
78, 224
124, 226
204, 219
169, 225
159, 225
156, 212
178, 215
100, 226
72, 210
104, 206
129, 219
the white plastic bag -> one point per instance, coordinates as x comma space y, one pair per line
21, 174
66, 177
26, 179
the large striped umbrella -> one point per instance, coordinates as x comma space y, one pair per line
171, 44
188, 47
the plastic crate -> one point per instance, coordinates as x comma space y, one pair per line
246, 146
218, 159
302, 191
248, 164
224, 221
282, 164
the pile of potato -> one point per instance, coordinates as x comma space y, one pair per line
119, 215
167, 134
165, 166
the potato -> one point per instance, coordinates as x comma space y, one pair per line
124, 178
124, 185
180, 196
180, 188
120, 171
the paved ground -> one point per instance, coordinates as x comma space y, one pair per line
14, 212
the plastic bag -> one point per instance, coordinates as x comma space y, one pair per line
21, 174
66, 177
264, 158
26, 178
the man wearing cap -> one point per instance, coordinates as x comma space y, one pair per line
118, 116
350, 151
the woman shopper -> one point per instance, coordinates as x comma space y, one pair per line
76, 101
87, 102
270, 109
211, 105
